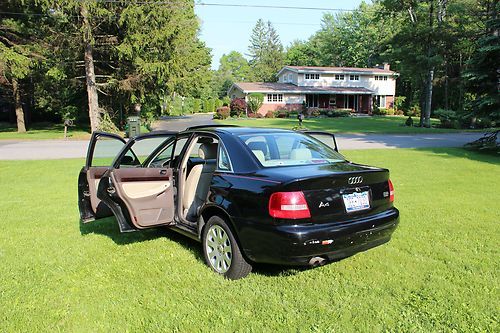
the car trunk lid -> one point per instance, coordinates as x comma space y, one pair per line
340, 191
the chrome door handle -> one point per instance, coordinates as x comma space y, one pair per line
111, 190
163, 172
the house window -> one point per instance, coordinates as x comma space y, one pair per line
290, 78
339, 77
312, 76
380, 101
380, 77
274, 98
354, 77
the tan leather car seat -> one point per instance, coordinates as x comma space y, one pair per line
207, 151
300, 154
259, 149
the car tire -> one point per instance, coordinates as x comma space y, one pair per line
221, 250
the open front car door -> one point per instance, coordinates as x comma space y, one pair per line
140, 193
325, 137
102, 150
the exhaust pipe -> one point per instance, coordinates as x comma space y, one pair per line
317, 261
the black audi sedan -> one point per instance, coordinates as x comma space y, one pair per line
250, 195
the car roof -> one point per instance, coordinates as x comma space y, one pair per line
236, 130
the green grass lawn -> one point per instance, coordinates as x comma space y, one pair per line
46, 131
40, 131
439, 273
376, 124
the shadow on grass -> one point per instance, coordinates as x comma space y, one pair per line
486, 157
278, 270
108, 227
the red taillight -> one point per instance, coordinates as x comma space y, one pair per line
289, 205
391, 191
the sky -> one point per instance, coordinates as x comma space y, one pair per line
224, 29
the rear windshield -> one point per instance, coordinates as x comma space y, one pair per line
286, 149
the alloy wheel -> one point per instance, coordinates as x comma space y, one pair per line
218, 249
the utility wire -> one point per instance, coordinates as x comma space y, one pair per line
216, 4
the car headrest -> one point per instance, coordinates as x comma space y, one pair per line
300, 154
258, 146
208, 151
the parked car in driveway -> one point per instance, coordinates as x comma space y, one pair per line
250, 195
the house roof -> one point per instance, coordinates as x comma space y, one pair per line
334, 70
276, 87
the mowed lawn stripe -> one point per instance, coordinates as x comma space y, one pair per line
438, 273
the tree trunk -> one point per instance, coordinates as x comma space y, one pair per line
93, 98
495, 32
422, 102
428, 102
21, 127
425, 118
446, 87
461, 85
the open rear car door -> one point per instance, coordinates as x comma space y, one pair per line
139, 193
102, 150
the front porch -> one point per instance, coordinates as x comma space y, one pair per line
359, 103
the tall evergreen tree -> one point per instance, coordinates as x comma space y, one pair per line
265, 51
120, 53
483, 76
21, 48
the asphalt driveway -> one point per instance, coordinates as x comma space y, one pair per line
56, 149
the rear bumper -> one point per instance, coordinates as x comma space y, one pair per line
297, 244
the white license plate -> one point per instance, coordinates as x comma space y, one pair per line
356, 201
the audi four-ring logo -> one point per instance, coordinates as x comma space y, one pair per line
355, 180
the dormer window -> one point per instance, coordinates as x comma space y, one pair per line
353, 77
339, 77
312, 76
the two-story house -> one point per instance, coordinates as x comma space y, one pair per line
324, 87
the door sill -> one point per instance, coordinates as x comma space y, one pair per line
185, 230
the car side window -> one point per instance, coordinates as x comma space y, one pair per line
223, 163
179, 146
163, 159
142, 149
105, 151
